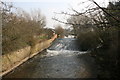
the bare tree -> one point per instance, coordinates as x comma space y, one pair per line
59, 30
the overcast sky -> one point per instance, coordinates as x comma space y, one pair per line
48, 7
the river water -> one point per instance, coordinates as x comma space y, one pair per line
63, 59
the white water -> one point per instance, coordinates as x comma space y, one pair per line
67, 52
64, 46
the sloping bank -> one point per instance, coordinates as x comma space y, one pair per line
14, 59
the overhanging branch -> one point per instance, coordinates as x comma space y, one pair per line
105, 11
64, 22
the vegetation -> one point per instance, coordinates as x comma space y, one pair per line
20, 29
84, 30
97, 29
59, 31
107, 55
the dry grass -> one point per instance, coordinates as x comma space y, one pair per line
21, 29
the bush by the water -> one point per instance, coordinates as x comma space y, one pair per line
107, 56
88, 40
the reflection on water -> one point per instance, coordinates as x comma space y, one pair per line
62, 60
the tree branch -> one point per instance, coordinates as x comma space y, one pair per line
65, 22
105, 11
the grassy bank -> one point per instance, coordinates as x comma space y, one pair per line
21, 28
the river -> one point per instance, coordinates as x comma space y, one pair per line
63, 59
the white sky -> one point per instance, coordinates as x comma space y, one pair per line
47, 7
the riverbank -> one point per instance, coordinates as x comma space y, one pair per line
12, 60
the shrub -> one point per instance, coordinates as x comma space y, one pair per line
21, 29
59, 31
88, 40
107, 55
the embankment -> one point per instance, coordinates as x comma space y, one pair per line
12, 60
